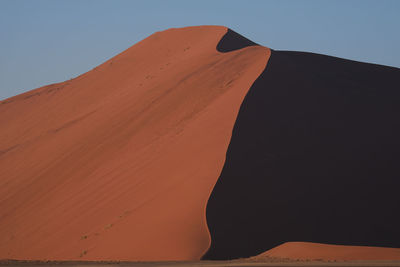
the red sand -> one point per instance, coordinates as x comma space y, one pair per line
315, 251
118, 163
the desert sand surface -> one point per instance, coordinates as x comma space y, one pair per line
238, 263
118, 163
314, 251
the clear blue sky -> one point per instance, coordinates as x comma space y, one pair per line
47, 41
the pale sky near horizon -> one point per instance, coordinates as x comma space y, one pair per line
48, 41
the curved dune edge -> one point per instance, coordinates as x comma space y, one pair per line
325, 252
118, 163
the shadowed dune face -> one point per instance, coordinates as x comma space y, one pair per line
118, 163
315, 251
314, 156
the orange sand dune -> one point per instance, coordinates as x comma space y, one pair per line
316, 251
118, 163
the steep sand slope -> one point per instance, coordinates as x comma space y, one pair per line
118, 163
315, 251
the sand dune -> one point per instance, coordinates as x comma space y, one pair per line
119, 162
315, 251
125, 161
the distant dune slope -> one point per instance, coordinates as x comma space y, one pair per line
118, 163
314, 156
315, 251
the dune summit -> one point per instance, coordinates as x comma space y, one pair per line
199, 143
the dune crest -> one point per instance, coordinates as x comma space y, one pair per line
118, 163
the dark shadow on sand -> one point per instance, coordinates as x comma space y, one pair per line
314, 156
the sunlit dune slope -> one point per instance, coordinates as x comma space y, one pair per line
118, 163
316, 251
